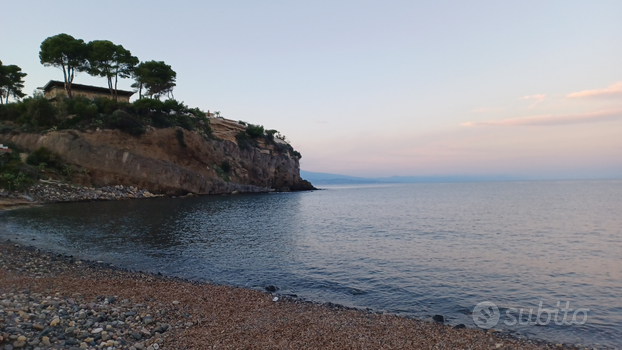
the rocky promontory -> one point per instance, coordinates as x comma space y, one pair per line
171, 161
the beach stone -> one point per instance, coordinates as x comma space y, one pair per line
46, 341
139, 346
97, 330
38, 327
439, 318
8, 347
272, 288
459, 326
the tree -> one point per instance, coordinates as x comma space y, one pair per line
66, 52
110, 61
11, 82
157, 77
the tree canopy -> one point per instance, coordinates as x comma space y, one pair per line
110, 61
156, 77
65, 52
11, 82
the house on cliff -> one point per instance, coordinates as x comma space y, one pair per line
55, 90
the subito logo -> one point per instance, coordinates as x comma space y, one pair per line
486, 315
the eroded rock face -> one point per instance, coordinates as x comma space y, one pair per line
156, 161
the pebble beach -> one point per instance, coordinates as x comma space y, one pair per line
50, 301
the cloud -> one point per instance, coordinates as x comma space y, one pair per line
548, 120
613, 90
538, 98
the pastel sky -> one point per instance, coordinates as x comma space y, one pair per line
376, 88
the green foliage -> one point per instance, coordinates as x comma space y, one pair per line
11, 111
39, 112
11, 82
270, 135
255, 131
65, 52
244, 142
15, 175
287, 148
66, 170
43, 155
221, 173
156, 77
110, 61
14, 181
179, 134
125, 122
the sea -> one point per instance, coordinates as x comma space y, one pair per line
537, 259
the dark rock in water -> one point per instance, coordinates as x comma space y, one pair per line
439, 318
272, 288
459, 326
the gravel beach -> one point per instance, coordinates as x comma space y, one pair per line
49, 301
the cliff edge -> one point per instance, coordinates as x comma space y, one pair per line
173, 161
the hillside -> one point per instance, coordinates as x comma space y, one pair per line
172, 161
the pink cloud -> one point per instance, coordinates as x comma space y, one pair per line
539, 97
613, 90
548, 120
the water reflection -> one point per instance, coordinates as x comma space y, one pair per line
419, 249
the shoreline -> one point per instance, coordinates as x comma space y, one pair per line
50, 192
218, 315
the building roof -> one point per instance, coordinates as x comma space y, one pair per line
55, 83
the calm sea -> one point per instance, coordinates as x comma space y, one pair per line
413, 249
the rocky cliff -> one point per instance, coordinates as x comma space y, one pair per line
162, 163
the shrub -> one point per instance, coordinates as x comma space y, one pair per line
270, 135
185, 122
126, 123
39, 112
221, 173
10, 111
44, 155
144, 106
254, 131
243, 140
161, 120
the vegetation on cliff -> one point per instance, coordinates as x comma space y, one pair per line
37, 114
201, 161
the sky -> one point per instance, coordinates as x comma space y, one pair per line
531, 89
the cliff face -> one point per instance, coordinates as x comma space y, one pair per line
158, 162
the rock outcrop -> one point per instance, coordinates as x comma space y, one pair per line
159, 162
